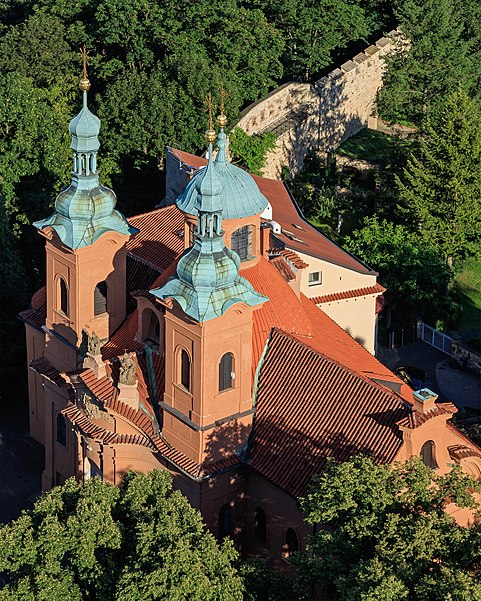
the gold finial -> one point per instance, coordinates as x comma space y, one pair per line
222, 119
210, 134
84, 82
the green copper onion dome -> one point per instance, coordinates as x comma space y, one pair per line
241, 196
85, 210
207, 281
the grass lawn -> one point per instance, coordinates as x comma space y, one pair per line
467, 289
368, 145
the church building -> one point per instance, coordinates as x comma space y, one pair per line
219, 337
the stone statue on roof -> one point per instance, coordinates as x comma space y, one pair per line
127, 370
93, 344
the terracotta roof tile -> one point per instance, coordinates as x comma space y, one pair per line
283, 268
416, 419
329, 412
43, 367
328, 298
460, 451
88, 427
39, 299
282, 310
290, 255
158, 242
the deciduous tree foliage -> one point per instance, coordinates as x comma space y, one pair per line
141, 540
409, 266
441, 184
383, 533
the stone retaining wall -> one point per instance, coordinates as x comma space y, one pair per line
320, 116
466, 356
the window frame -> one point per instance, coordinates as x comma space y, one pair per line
428, 457
242, 242
226, 373
315, 282
185, 370
99, 294
61, 430
62, 296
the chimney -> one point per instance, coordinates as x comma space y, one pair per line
265, 238
424, 400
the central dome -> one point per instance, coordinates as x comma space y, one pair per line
240, 196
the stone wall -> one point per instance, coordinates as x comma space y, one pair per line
466, 356
321, 116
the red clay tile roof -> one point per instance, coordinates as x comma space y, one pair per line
196, 470
282, 310
460, 451
283, 268
39, 298
75, 416
290, 255
328, 298
158, 242
43, 367
36, 315
327, 411
416, 419
286, 213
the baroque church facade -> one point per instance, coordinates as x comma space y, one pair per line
219, 337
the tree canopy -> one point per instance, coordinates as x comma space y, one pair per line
141, 540
411, 269
444, 43
383, 533
441, 183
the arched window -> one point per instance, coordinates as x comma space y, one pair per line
185, 369
428, 454
150, 327
100, 298
291, 544
63, 293
225, 521
61, 430
225, 371
260, 525
241, 242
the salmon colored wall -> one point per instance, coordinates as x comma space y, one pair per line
204, 405
35, 349
57, 457
82, 270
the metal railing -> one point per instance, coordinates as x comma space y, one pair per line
435, 338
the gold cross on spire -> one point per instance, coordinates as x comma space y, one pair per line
84, 82
210, 134
222, 119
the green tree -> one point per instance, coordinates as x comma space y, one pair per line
251, 151
414, 274
385, 534
313, 30
440, 57
141, 540
441, 183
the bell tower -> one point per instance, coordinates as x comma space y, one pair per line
207, 401
85, 249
